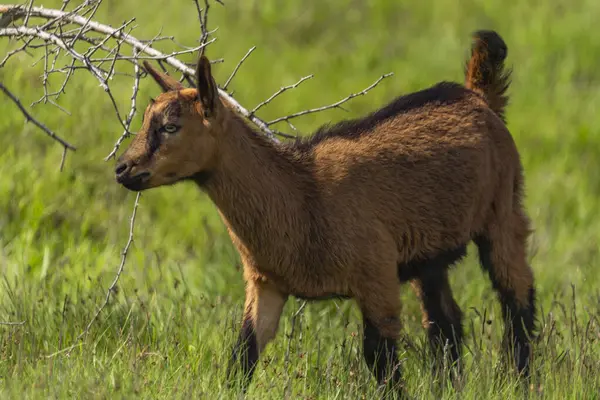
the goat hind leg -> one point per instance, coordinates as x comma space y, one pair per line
502, 252
442, 318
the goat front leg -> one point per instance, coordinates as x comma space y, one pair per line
264, 304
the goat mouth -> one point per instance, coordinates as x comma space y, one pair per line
135, 183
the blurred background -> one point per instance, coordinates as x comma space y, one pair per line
181, 294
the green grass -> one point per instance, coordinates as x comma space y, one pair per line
169, 330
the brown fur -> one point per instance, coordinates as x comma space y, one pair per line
355, 207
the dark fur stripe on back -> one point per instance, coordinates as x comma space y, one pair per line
442, 93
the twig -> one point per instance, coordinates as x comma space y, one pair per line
203, 18
28, 117
162, 57
285, 135
112, 286
12, 323
28, 11
84, 26
280, 91
102, 42
334, 105
132, 111
64, 4
62, 159
239, 64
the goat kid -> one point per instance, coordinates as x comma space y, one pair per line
359, 207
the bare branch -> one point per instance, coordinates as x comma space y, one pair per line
280, 91
112, 286
334, 105
132, 41
22, 30
28, 118
101, 76
235, 70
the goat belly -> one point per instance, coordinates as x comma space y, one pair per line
324, 296
313, 287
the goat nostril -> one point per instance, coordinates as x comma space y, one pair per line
121, 168
142, 176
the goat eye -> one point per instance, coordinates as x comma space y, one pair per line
170, 128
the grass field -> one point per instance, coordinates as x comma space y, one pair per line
169, 330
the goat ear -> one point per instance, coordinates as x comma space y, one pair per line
208, 93
165, 81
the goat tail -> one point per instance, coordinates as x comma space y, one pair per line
485, 72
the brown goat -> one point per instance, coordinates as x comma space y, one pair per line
357, 208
